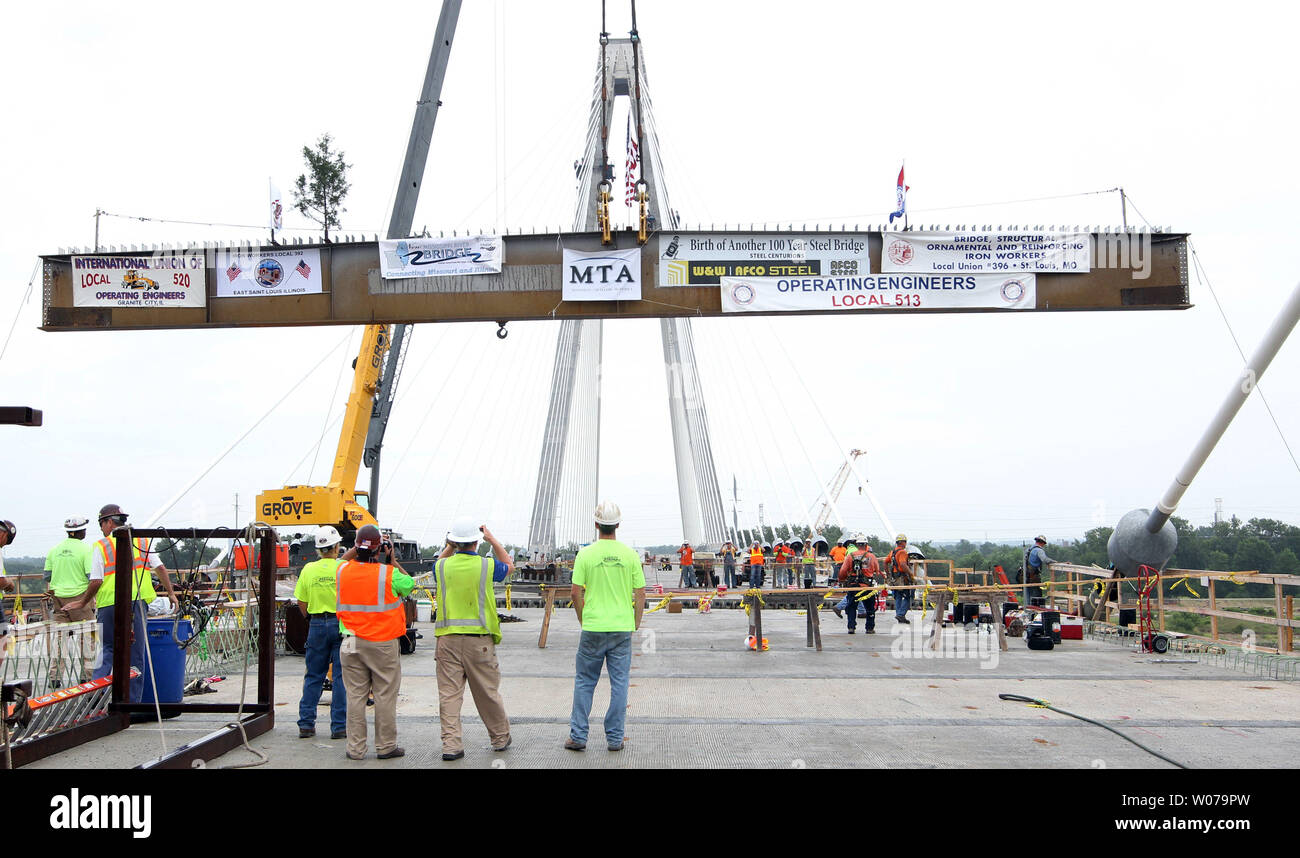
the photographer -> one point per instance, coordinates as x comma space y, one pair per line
372, 618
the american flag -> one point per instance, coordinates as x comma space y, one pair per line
303, 268
633, 151
233, 271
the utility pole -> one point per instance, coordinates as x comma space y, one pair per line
1123, 208
97, 214
236, 509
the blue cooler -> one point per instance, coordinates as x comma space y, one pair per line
168, 660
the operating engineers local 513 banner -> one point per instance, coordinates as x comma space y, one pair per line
878, 292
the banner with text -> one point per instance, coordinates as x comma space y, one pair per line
985, 252
878, 292
148, 280
438, 257
603, 275
248, 272
704, 259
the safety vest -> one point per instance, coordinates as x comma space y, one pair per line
466, 603
809, 556
755, 557
367, 605
141, 580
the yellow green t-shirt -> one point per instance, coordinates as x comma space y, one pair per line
318, 586
608, 571
69, 566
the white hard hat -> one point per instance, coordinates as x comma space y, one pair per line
463, 529
77, 522
607, 512
327, 536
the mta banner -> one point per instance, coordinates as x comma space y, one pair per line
441, 257
985, 252
602, 275
257, 271
146, 280
703, 259
878, 292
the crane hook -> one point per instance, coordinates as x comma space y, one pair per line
502, 333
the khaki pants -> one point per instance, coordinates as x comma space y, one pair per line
473, 658
61, 613
371, 666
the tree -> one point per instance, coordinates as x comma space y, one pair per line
319, 194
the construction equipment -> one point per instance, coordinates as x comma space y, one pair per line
836, 486
133, 280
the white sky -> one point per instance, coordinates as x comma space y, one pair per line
985, 425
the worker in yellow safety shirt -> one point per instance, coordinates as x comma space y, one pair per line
102, 587
68, 567
317, 595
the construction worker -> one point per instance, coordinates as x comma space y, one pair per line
729, 564
371, 618
609, 597
838, 553
687, 556
809, 564
68, 569
317, 595
756, 566
1036, 561
899, 571
468, 630
7, 534
781, 570
859, 567
102, 588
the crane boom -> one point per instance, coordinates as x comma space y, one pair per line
836, 486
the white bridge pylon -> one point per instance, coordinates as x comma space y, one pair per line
567, 478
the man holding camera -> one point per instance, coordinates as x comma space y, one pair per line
468, 630
372, 618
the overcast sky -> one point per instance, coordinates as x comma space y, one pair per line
993, 426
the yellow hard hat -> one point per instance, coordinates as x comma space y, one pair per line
902, 537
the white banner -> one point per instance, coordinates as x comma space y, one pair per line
878, 292
147, 280
602, 275
440, 257
703, 259
252, 271
992, 252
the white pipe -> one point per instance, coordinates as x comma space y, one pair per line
1246, 382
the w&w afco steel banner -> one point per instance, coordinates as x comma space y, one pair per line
703, 259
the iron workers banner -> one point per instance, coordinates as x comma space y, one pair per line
878, 292
703, 259
603, 275
147, 280
985, 252
437, 257
252, 271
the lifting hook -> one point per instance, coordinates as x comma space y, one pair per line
502, 333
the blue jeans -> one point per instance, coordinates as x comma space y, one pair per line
729, 575
138, 643
323, 639
688, 576
756, 575
809, 575
902, 601
594, 649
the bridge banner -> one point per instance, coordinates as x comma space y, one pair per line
151, 279
441, 257
602, 275
244, 272
878, 292
702, 259
973, 252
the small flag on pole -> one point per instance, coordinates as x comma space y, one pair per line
277, 208
303, 268
233, 271
902, 198
633, 153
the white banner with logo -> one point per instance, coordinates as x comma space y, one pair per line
146, 280
437, 257
992, 252
252, 271
602, 275
703, 259
878, 292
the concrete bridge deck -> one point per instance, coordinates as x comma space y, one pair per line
699, 700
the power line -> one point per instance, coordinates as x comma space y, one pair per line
213, 223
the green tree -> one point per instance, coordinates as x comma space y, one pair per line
318, 194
